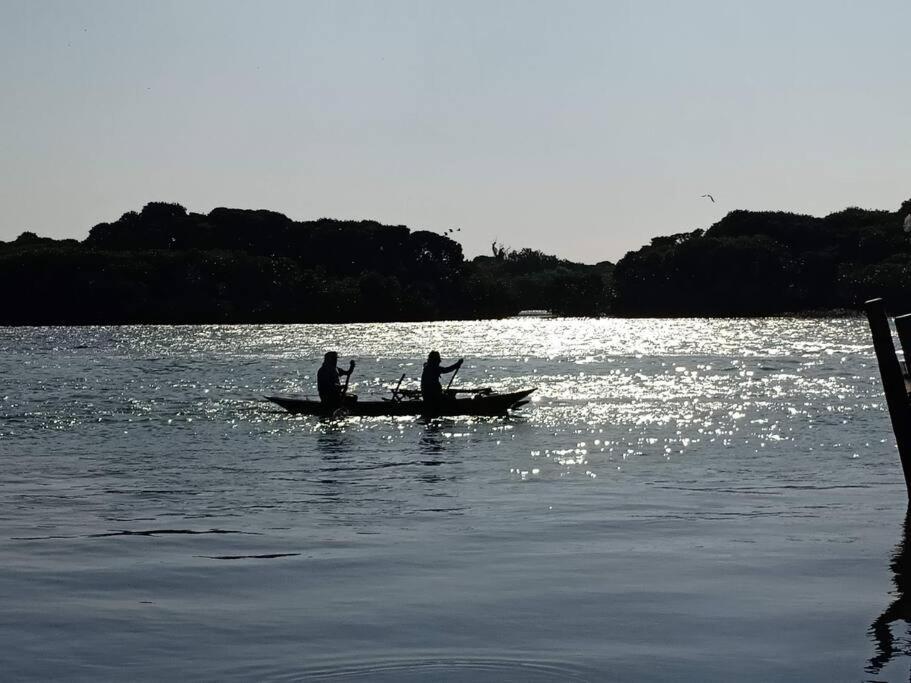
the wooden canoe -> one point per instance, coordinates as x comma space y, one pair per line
481, 404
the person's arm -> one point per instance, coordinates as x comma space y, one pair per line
454, 366
344, 373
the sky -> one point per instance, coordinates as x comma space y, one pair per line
582, 129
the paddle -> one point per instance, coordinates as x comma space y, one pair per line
348, 378
453, 376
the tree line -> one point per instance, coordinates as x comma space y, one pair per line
164, 264
769, 263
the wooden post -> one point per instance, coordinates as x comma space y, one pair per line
903, 326
893, 382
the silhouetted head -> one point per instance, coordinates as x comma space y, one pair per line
331, 358
433, 358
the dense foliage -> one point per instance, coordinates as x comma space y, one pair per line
165, 265
763, 263
528, 279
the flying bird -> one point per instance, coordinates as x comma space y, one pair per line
709, 196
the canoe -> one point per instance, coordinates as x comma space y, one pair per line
481, 404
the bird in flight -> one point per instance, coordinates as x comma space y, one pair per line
709, 196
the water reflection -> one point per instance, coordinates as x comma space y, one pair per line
899, 610
333, 440
431, 443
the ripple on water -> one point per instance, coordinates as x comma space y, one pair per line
437, 666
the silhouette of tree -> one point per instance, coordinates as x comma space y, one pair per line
165, 264
763, 263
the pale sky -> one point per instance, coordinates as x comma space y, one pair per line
582, 129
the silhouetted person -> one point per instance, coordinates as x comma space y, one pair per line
899, 610
327, 382
431, 389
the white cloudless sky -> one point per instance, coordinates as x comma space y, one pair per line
579, 128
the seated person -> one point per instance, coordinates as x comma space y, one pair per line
327, 382
431, 389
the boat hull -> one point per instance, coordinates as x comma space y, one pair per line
490, 405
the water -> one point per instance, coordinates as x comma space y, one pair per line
684, 500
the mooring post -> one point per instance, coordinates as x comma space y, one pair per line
893, 382
903, 327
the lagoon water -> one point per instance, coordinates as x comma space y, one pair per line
684, 500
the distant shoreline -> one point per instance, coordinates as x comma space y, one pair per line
164, 265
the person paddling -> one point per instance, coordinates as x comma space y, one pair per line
431, 389
327, 382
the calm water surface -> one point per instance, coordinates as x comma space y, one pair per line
684, 500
